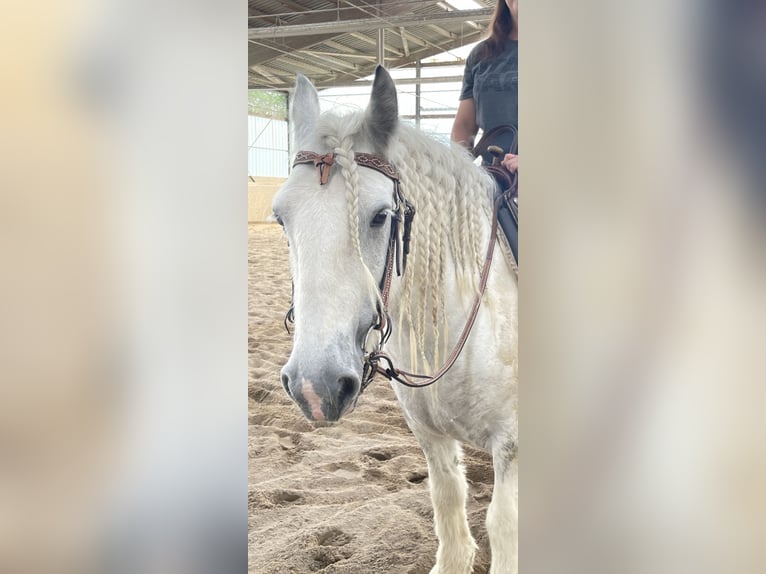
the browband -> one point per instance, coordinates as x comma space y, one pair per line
323, 162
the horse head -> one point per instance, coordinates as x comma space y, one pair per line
337, 217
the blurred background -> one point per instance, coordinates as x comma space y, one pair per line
123, 318
642, 305
123, 416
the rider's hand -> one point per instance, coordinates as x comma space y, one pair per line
511, 162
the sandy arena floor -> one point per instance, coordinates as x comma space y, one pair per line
347, 499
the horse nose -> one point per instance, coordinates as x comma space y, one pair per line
325, 396
348, 389
285, 377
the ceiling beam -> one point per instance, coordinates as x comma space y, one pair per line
432, 51
336, 12
398, 82
455, 62
409, 36
371, 42
441, 31
369, 57
342, 27
292, 6
405, 45
259, 53
306, 67
268, 74
328, 57
321, 85
272, 80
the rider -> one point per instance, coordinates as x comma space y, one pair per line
489, 97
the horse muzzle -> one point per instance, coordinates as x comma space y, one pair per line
323, 396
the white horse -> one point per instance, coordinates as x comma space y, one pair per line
339, 238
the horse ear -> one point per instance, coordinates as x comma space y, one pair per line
304, 110
382, 115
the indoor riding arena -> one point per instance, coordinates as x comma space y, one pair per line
352, 497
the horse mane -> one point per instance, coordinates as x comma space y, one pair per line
451, 197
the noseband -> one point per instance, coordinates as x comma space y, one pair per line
398, 249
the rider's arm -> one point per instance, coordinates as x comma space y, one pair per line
464, 129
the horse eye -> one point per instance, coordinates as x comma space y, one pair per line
279, 220
379, 219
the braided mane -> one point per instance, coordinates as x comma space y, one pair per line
451, 197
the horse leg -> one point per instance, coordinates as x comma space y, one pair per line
503, 511
448, 494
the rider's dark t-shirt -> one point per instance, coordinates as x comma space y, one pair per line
494, 86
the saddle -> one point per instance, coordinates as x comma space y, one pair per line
492, 148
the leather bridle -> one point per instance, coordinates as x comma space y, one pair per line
396, 257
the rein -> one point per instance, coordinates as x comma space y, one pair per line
404, 212
413, 379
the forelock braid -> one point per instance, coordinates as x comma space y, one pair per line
344, 156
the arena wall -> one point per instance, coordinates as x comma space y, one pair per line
260, 193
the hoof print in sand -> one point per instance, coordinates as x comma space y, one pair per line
285, 497
259, 395
374, 474
272, 498
321, 558
379, 454
344, 469
416, 477
333, 537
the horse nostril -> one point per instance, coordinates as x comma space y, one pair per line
286, 385
348, 387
